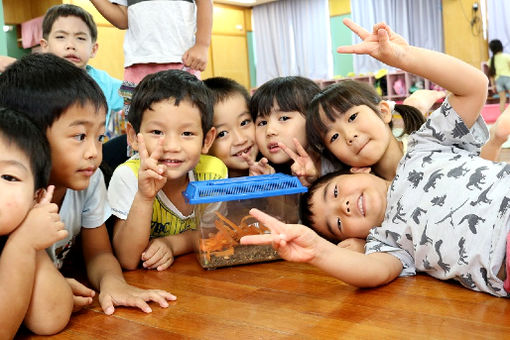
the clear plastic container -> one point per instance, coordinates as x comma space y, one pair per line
222, 213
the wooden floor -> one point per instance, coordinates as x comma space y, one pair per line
283, 300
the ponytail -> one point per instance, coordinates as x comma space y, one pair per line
492, 67
495, 46
412, 117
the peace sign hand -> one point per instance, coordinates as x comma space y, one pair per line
151, 176
303, 166
382, 44
261, 167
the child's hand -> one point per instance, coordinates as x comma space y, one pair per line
42, 226
354, 244
294, 242
382, 44
82, 295
151, 176
119, 293
303, 166
157, 255
196, 57
261, 167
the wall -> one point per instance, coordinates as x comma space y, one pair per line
340, 35
459, 39
3, 38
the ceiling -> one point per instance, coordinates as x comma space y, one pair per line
244, 3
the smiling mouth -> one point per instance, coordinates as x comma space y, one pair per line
361, 206
170, 162
245, 151
273, 147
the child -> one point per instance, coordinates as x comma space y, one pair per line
279, 108
446, 211
235, 131
160, 35
70, 108
32, 290
170, 125
499, 71
70, 32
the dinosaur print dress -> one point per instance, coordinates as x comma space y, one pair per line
448, 209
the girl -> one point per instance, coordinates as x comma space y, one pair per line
499, 71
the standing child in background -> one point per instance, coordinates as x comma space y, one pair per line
170, 125
32, 290
445, 213
161, 35
70, 32
499, 71
70, 108
235, 141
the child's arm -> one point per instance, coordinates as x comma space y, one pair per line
295, 242
105, 274
5, 61
116, 14
27, 282
196, 56
303, 166
467, 84
131, 236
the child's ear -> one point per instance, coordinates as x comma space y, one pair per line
362, 170
38, 195
44, 45
386, 111
95, 46
131, 136
208, 140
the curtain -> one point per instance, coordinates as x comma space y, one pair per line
292, 37
418, 21
498, 12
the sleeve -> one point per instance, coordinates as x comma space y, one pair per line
116, 101
96, 209
122, 190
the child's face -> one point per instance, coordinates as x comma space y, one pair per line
235, 133
16, 186
181, 130
70, 39
280, 127
359, 137
76, 146
349, 206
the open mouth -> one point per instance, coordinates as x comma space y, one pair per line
170, 162
273, 147
245, 151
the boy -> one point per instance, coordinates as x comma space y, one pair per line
446, 212
70, 32
170, 125
235, 130
32, 290
70, 108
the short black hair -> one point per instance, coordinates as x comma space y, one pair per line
306, 215
292, 93
223, 88
66, 10
171, 84
17, 129
44, 86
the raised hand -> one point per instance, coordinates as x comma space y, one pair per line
294, 242
382, 44
42, 226
261, 167
303, 166
151, 176
158, 255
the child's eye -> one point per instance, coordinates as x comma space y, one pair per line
59, 37
339, 223
188, 133
352, 117
221, 134
333, 138
157, 132
262, 123
101, 138
335, 192
80, 137
284, 118
82, 38
245, 122
10, 178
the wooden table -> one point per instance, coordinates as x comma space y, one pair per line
283, 300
